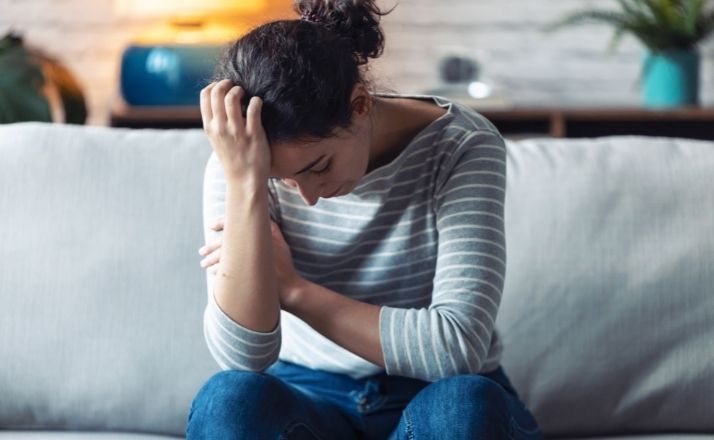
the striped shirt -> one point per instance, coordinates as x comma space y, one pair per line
422, 236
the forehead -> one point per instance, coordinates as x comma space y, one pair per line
286, 158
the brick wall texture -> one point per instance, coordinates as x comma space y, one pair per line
523, 63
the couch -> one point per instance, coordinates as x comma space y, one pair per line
607, 315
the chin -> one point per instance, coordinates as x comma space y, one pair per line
348, 188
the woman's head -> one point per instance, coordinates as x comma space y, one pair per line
305, 70
309, 74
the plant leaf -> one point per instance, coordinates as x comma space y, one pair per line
591, 16
658, 24
75, 109
21, 83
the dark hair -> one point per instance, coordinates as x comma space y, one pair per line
305, 69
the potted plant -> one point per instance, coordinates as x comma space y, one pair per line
36, 87
671, 30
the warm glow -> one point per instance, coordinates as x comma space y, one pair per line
201, 21
179, 8
209, 33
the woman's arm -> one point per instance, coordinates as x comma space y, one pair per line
245, 287
242, 319
232, 345
453, 335
351, 324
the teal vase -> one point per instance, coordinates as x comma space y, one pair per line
671, 78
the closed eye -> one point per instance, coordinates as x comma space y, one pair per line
324, 170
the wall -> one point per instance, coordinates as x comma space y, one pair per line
570, 67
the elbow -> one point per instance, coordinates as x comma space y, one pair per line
230, 360
467, 348
254, 366
473, 366
232, 353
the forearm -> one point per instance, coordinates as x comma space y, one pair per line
246, 288
349, 323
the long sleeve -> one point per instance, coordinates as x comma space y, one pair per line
233, 346
453, 334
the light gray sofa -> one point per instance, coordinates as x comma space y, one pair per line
607, 314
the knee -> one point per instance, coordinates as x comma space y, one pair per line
464, 391
465, 406
231, 399
237, 391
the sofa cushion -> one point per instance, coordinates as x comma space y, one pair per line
608, 306
101, 294
607, 314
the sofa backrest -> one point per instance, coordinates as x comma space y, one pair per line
608, 306
101, 294
607, 315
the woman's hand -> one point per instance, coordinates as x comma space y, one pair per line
212, 252
239, 142
288, 278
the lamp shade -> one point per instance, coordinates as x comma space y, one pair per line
168, 8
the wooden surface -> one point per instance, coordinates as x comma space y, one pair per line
691, 122
155, 117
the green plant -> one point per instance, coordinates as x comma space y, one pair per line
36, 87
659, 24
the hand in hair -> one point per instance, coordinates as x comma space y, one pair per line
239, 141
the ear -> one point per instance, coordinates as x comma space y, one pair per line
361, 100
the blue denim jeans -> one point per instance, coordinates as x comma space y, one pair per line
289, 401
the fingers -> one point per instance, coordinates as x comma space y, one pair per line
206, 112
218, 93
207, 249
253, 125
212, 259
221, 101
234, 111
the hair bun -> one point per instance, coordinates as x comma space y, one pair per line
356, 20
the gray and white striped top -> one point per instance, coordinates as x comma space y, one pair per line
423, 236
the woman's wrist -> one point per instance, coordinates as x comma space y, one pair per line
250, 184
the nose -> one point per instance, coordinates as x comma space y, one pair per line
304, 193
306, 196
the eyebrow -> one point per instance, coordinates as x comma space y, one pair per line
312, 164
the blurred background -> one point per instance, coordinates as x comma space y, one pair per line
430, 46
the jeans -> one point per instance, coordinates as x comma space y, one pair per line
289, 401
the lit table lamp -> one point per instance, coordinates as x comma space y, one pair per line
168, 64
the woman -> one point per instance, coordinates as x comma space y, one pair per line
353, 291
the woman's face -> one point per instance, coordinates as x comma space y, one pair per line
319, 169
